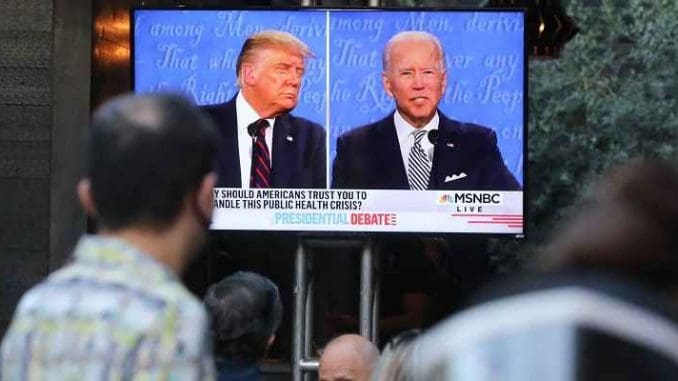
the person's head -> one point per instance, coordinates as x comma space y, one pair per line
348, 358
150, 166
245, 310
269, 69
627, 226
415, 75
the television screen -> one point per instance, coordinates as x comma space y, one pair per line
381, 120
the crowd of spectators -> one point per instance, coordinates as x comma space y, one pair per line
601, 304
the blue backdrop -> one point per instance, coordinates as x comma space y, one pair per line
195, 52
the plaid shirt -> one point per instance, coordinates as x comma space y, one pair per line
113, 313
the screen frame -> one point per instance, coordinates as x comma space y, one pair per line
357, 233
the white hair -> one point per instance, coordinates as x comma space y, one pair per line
412, 35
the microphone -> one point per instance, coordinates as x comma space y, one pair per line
432, 136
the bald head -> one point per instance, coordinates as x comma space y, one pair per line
348, 358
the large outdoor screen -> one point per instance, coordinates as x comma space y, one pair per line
429, 139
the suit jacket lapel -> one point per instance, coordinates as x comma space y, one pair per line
387, 149
446, 152
283, 152
229, 155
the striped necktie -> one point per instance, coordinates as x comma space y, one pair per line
419, 165
260, 175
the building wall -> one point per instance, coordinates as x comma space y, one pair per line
26, 32
42, 46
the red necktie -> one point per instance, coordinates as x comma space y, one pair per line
260, 176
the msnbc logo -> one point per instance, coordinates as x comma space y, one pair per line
471, 198
446, 199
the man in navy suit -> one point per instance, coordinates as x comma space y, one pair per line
269, 68
417, 146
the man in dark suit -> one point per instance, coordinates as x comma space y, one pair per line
417, 147
289, 154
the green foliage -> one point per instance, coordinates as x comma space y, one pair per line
611, 96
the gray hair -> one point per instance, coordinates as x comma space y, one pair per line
412, 35
245, 311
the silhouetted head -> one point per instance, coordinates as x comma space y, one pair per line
147, 157
245, 309
628, 226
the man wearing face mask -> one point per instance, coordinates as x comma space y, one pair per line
417, 147
118, 310
262, 145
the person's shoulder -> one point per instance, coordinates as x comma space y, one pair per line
217, 109
469, 130
175, 294
465, 127
192, 315
359, 131
301, 121
49, 300
35, 297
304, 125
56, 283
364, 131
183, 311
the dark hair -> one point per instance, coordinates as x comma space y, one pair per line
145, 154
245, 309
627, 226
